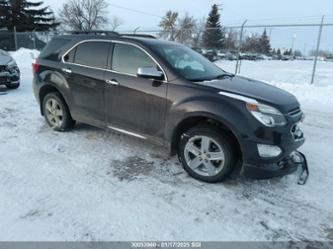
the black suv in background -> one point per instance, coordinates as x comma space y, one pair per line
9, 71
168, 93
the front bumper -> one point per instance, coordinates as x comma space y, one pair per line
287, 166
288, 138
9, 75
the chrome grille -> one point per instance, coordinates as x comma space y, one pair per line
295, 112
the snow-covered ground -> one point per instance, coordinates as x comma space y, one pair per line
91, 184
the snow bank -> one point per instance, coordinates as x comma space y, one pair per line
24, 57
311, 97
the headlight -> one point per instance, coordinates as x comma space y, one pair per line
267, 115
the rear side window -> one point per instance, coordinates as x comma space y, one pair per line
92, 54
127, 59
52, 49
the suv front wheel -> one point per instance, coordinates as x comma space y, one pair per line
56, 112
206, 153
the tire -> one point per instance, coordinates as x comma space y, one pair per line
210, 162
13, 85
56, 112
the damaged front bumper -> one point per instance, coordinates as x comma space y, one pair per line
286, 166
300, 159
9, 74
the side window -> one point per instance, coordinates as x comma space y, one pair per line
69, 57
92, 54
127, 59
52, 49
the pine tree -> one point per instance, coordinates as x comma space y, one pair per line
26, 16
4, 12
264, 43
213, 36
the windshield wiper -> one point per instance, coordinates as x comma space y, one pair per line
220, 76
224, 75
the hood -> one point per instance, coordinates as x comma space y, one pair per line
258, 90
4, 59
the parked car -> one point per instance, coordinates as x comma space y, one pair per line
9, 71
167, 93
249, 56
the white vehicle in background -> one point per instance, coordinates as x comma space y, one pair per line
9, 71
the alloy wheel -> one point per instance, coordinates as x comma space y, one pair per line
204, 155
54, 112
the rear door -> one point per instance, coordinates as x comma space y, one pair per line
134, 105
84, 69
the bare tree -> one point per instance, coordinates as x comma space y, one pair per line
198, 31
185, 29
230, 42
84, 15
115, 23
169, 25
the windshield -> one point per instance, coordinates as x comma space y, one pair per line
188, 63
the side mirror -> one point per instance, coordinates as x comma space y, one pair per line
150, 73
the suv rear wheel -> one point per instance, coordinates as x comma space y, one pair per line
206, 153
56, 112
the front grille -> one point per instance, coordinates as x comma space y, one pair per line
295, 112
3, 80
3, 68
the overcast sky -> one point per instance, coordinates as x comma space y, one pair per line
234, 11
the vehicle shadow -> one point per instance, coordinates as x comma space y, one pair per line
157, 163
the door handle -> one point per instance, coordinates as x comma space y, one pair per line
66, 70
112, 82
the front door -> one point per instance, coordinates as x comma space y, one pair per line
133, 104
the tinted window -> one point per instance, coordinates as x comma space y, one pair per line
128, 58
92, 54
52, 49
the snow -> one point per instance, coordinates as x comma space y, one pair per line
91, 184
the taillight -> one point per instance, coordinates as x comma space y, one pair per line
35, 66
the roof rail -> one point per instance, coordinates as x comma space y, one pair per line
95, 32
140, 35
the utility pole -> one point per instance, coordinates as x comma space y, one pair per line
317, 50
293, 42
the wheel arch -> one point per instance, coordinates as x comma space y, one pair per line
195, 119
46, 89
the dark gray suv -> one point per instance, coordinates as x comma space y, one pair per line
171, 95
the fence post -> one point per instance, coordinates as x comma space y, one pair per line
136, 29
239, 47
34, 39
317, 50
15, 38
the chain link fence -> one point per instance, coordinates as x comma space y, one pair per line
306, 46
